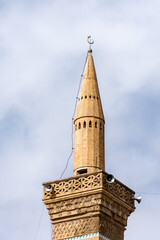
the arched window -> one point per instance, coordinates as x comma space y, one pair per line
95, 124
100, 126
86, 96
90, 124
76, 127
90, 96
79, 125
82, 97
84, 124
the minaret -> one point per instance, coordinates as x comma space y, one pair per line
89, 124
91, 204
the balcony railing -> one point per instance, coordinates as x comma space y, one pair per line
87, 182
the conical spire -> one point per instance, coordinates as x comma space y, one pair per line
89, 102
89, 124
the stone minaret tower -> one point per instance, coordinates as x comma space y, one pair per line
89, 124
87, 205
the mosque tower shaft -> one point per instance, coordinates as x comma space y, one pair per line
89, 124
86, 205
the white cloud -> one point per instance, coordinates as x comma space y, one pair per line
43, 49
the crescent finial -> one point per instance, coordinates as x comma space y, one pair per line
90, 41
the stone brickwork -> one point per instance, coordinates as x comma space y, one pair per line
89, 124
87, 205
89, 181
75, 227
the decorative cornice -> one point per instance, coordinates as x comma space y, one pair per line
87, 182
87, 236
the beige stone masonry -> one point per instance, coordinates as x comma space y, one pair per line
89, 124
87, 204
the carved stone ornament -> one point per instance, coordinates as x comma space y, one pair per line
88, 204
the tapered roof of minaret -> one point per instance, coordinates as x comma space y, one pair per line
89, 101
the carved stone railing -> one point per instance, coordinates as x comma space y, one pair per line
119, 190
87, 182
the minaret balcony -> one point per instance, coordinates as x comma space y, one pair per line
84, 183
88, 204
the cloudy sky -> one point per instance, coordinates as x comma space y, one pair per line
42, 53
